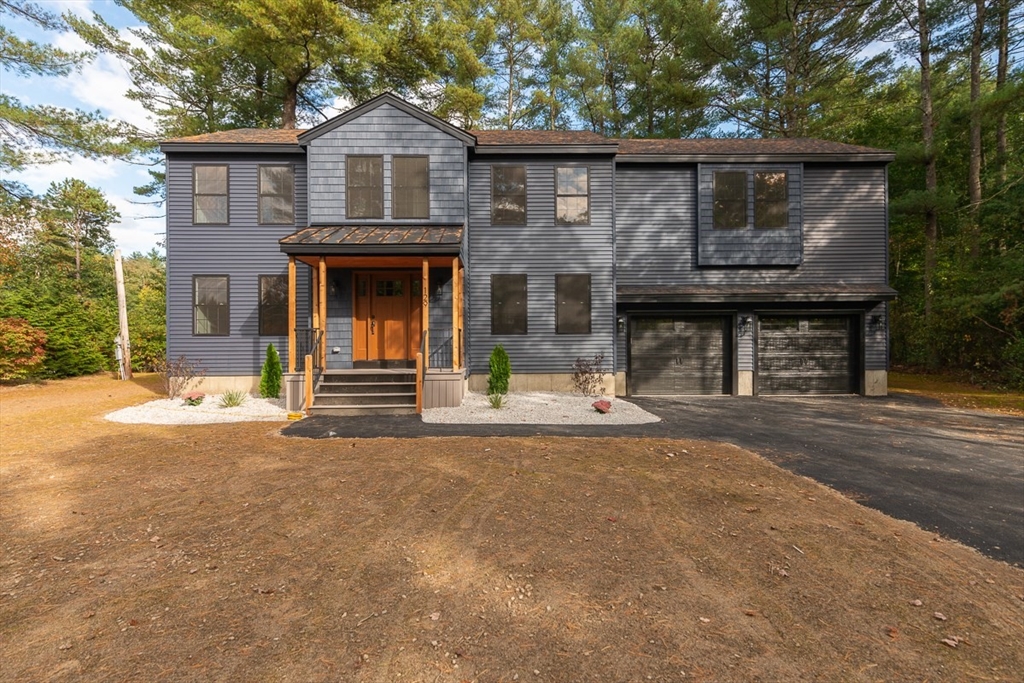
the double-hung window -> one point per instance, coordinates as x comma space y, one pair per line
508, 195
572, 303
273, 305
572, 195
277, 195
771, 199
508, 304
210, 194
732, 199
211, 310
364, 187
410, 187
730, 195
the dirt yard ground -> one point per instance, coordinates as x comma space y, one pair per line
231, 553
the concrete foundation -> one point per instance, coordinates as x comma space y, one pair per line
560, 383
876, 383
221, 383
745, 383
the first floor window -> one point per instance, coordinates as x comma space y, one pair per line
210, 307
730, 199
771, 199
277, 195
210, 194
508, 304
572, 303
273, 305
572, 195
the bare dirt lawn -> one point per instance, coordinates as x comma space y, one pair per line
230, 553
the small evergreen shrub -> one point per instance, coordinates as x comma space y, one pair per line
500, 371
496, 400
270, 377
233, 398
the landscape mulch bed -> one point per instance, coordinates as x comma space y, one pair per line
229, 553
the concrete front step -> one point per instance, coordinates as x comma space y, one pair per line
364, 399
341, 411
366, 388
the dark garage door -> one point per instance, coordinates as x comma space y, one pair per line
805, 355
678, 355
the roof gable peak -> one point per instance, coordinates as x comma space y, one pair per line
387, 98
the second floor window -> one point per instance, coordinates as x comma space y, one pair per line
364, 185
572, 195
210, 194
730, 199
771, 199
508, 195
410, 187
277, 192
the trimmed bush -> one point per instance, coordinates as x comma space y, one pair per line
500, 371
270, 377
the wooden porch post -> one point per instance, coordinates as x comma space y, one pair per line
291, 313
316, 301
425, 289
323, 311
456, 313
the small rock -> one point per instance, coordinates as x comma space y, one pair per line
916, 603
602, 406
940, 616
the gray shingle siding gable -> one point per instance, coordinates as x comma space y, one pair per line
242, 249
844, 229
541, 249
385, 131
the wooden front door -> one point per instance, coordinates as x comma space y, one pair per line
386, 322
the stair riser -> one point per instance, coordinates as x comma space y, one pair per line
403, 377
356, 411
359, 388
362, 400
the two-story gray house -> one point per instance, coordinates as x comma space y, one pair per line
386, 252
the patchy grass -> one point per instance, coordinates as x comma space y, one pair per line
956, 393
227, 552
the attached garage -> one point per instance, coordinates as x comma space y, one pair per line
679, 355
806, 355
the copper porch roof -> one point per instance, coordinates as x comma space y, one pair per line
358, 239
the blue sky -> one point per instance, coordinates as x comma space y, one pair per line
99, 85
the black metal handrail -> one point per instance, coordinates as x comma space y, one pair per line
441, 351
307, 343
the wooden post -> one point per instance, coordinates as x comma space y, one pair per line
291, 313
323, 311
425, 289
309, 382
122, 317
456, 312
316, 299
419, 382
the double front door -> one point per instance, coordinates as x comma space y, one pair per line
387, 318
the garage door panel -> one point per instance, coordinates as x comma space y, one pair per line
677, 355
805, 355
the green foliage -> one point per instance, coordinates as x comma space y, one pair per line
270, 376
233, 398
22, 349
500, 371
496, 401
193, 398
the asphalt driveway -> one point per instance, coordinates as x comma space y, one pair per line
960, 473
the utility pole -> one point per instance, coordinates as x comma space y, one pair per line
122, 317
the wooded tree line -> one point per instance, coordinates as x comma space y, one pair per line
938, 81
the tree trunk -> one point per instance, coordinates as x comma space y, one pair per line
78, 250
1001, 71
291, 103
511, 80
974, 155
931, 217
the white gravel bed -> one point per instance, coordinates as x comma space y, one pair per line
541, 408
174, 411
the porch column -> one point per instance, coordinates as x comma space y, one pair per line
456, 313
316, 302
323, 311
425, 290
291, 313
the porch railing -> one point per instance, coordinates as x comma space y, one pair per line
441, 351
307, 346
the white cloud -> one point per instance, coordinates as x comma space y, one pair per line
140, 227
92, 171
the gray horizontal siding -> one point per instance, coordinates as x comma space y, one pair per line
748, 246
844, 226
386, 131
876, 339
242, 250
339, 318
541, 249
